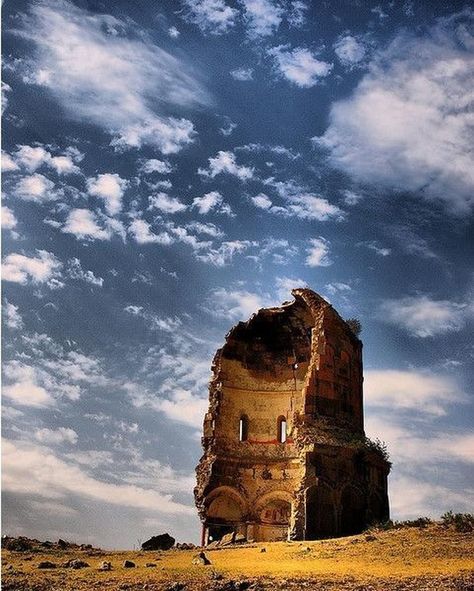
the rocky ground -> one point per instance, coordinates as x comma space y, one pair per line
432, 558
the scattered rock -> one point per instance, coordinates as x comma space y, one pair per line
263, 549
150, 564
105, 565
63, 544
47, 564
215, 576
176, 587
240, 539
213, 545
227, 539
185, 546
161, 542
201, 558
370, 538
76, 564
128, 564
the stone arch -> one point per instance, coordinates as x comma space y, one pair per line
321, 517
273, 516
353, 510
226, 508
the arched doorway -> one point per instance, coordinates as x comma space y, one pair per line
353, 511
320, 512
225, 511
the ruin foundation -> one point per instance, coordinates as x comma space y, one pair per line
285, 454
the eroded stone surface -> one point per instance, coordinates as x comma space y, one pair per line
285, 454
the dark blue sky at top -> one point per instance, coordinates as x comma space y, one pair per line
353, 124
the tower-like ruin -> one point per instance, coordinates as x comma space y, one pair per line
285, 454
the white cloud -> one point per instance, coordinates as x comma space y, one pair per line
407, 390
424, 317
208, 229
8, 164
337, 286
56, 436
154, 165
166, 324
299, 65
141, 231
351, 198
35, 188
274, 149
223, 254
12, 317
228, 127
33, 157
6, 88
408, 125
224, 163
261, 201
75, 51
284, 285
110, 188
297, 14
83, 224
350, 50
43, 268
318, 253
173, 32
235, 304
242, 74
24, 389
380, 250
211, 16
9, 220
165, 203
212, 201
263, 17
75, 271
34, 469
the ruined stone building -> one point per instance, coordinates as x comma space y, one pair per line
285, 455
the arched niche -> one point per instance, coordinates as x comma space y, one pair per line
226, 508
273, 515
320, 512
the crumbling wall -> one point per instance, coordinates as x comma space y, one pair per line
299, 365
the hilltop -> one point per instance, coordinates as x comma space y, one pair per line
430, 557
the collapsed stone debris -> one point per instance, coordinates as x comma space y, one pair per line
285, 453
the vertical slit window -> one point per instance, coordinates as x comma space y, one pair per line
243, 428
281, 428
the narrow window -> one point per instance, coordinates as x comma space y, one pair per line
281, 429
243, 428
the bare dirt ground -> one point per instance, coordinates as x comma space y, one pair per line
432, 558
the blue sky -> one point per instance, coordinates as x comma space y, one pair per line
169, 168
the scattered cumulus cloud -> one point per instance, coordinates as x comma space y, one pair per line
242, 74
9, 221
225, 163
37, 188
44, 268
212, 201
154, 165
318, 253
422, 316
416, 94
63, 34
350, 50
33, 157
262, 17
84, 224
74, 270
211, 16
299, 65
235, 304
165, 203
56, 436
12, 316
407, 390
110, 188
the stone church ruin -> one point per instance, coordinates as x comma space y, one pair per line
285, 454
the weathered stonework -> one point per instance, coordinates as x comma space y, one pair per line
285, 455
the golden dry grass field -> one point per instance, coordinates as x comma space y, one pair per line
432, 558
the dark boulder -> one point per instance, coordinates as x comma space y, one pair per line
161, 542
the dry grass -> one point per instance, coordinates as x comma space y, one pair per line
432, 558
